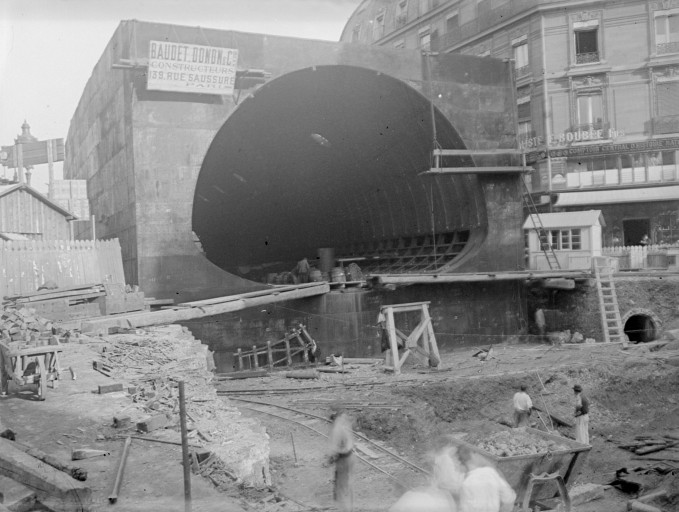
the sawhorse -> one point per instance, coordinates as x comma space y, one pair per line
15, 362
421, 340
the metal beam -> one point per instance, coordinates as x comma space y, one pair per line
510, 169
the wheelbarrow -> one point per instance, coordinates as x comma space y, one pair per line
32, 365
539, 476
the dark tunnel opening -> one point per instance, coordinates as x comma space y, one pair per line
330, 157
640, 328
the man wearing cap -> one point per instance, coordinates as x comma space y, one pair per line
522, 407
581, 416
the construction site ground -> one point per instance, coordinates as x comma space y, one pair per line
632, 390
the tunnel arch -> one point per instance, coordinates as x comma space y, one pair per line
332, 156
641, 325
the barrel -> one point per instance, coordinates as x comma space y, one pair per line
315, 276
337, 275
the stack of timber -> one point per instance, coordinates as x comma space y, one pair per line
659, 445
81, 301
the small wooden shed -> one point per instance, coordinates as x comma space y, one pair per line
25, 211
575, 237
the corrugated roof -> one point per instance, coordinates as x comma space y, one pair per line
632, 195
567, 220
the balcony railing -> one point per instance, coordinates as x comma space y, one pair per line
587, 58
664, 48
588, 127
522, 71
665, 124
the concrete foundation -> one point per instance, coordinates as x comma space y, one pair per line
346, 321
646, 303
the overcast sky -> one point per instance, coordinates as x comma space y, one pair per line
48, 48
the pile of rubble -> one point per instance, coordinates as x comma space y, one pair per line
518, 442
151, 363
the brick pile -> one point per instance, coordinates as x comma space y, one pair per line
22, 328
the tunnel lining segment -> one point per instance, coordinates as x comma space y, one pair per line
329, 157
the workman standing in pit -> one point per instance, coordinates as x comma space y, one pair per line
581, 416
342, 455
523, 406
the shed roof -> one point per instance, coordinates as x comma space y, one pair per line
9, 189
13, 237
579, 219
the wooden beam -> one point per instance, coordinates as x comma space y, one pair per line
258, 293
473, 152
171, 316
408, 306
54, 489
508, 169
477, 277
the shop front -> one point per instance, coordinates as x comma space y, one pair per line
592, 164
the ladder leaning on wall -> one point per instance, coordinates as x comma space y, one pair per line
611, 322
543, 234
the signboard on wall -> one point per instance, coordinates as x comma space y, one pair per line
32, 153
605, 149
180, 67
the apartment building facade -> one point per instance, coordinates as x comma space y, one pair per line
597, 95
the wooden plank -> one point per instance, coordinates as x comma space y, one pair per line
258, 293
55, 489
400, 307
391, 331
170, 316
473, 152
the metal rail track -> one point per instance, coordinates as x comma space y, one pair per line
400, 459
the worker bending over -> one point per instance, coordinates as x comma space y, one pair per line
523, 406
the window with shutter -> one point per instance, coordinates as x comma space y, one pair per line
524, 110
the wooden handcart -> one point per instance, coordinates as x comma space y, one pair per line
33, 365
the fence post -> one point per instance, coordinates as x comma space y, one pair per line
240, 359
287, 350
269, 354
255, 363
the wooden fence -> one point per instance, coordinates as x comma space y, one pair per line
634, 257
25, 265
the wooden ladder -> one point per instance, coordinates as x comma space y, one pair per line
543, 234
608, 302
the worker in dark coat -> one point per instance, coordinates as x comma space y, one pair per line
342, 455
